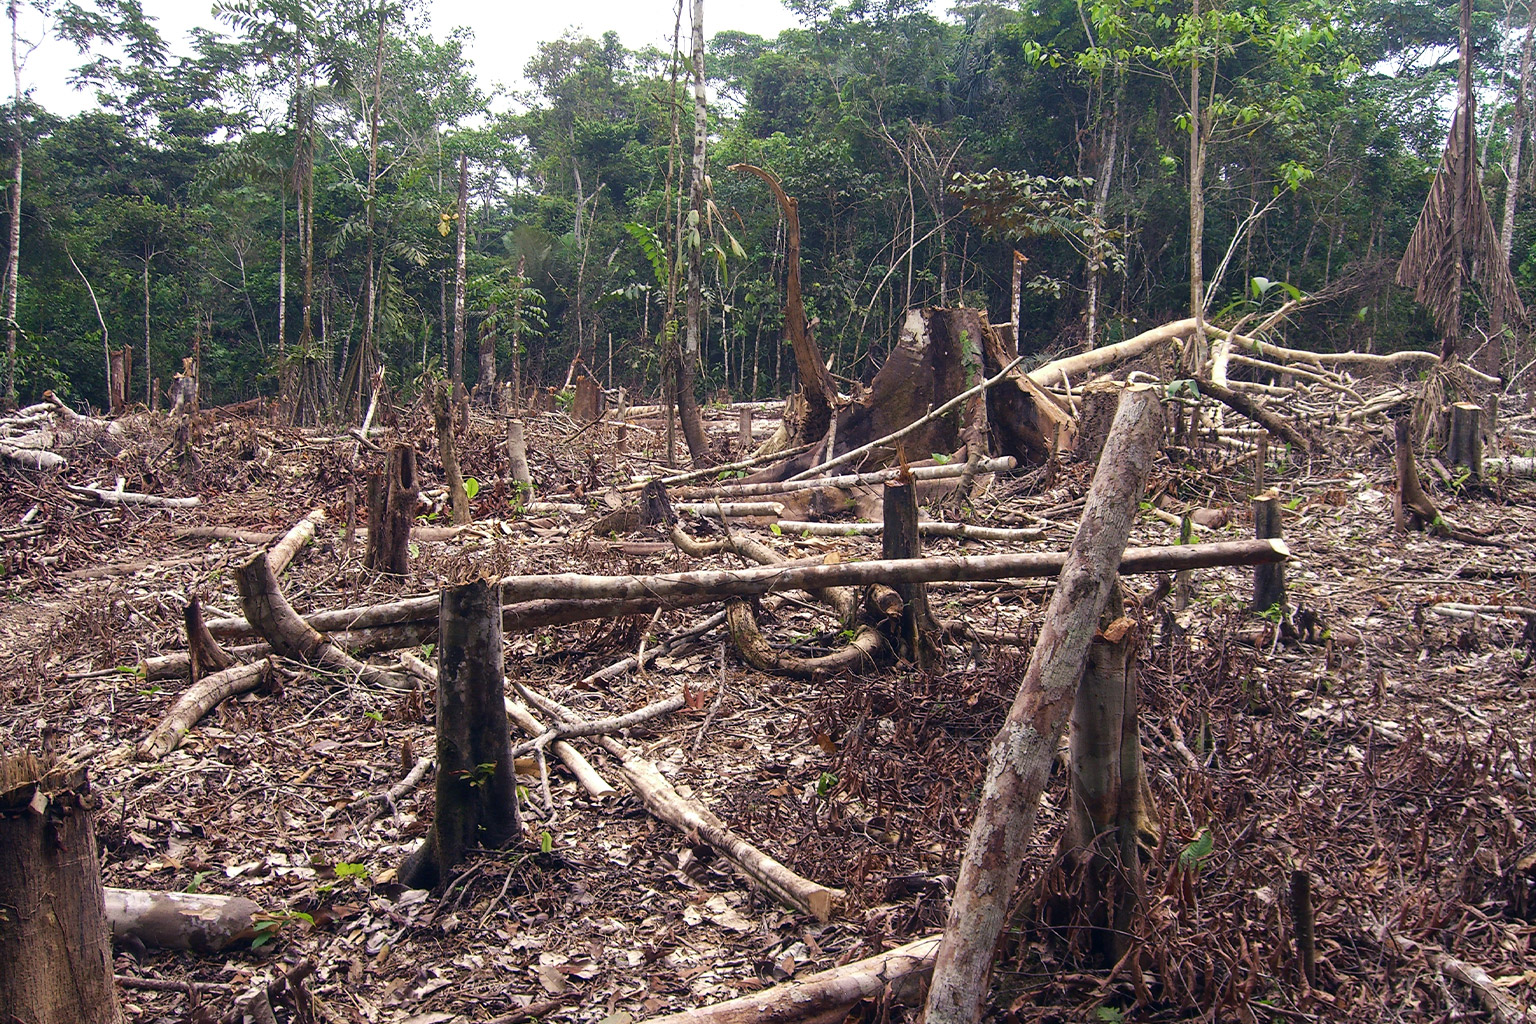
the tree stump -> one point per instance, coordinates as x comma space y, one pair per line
900, 540
476, 783
120, 371
1111, 807
517, 460
1465, 447
391, 508
55, 949
744, 432
443, 419
589, 400
1268, 580
1099, 401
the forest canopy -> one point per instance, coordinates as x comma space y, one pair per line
282, 201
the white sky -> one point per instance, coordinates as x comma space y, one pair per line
506, 33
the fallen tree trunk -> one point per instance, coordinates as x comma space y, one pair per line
130, 498
199, 699
942, 472
861, 652
201, 922
1254, 411
1083, 363
1025, 747
722, 583
32, 458
693, 818
609, 596
827, 995
302, 533
292, 637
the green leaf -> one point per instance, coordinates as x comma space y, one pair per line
1193, 855
546, 842
774, 529
471, 487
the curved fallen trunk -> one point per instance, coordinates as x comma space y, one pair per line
199, 699
292, 637
862, 652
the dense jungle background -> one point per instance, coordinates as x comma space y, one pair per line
286, 195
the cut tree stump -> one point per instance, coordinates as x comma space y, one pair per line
392, 498
1268, 580
517, 460
919, 631
476, 780
1111, 812
442, 418
55, 951
1466, 441
1025, 747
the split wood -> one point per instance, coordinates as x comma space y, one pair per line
693, 818
302, 533
729, 467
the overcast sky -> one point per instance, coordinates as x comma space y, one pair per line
506, 34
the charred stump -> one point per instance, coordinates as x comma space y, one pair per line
476, 784
55, 948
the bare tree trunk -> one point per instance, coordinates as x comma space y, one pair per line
476, 784
367, 356
461, 238
1517, 130
1194, 356
55, 948
693, 239
442, 415
282, 265
1096, 266
149, 384
13, 257
1025, 747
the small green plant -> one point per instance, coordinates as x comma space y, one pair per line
546, 842
426, 651
375, 716
1294, 503
775, 530
479, 776
825, 783
197, 881
1274, 613
471, 487
1109, 1014
267, 926
939, 457
1192, 858
346, 870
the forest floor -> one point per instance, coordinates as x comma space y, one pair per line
1389, 752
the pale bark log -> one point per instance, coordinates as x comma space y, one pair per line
581, 769
958, 531
199, 699
201, 922
951, 469
729, 467
826, 996
32, 458
131, 498
294, 540
517, 460
1083, 363
1025, 747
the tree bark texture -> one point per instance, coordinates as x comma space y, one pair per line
1465, 446
693, 236
204, 923
517, 459
1024, 749
461, 237
391, 509
476, 782
442, 417
55, 951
